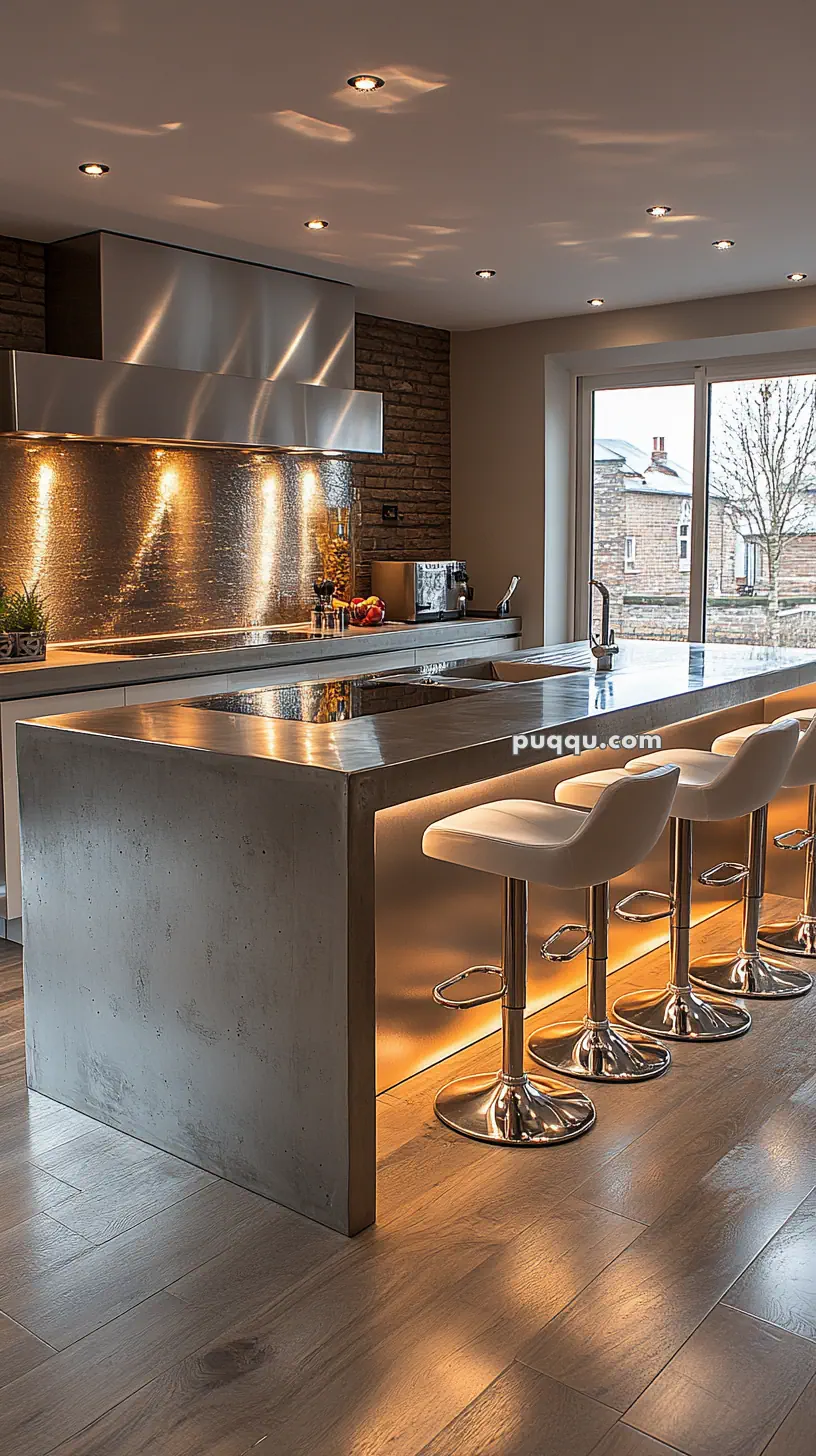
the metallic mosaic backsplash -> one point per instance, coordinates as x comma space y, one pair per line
131, 539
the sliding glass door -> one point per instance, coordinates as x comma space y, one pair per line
761, 579
699, 505
642, 453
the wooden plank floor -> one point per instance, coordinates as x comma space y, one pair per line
646, 1290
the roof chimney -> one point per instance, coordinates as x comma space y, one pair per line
659, 450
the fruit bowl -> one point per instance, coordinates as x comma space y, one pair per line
366, 611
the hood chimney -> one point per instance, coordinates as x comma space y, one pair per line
152, 342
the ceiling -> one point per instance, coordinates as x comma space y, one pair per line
527, 136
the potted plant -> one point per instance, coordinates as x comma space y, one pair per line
23, 624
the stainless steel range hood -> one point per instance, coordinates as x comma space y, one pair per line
50, 394
149, 342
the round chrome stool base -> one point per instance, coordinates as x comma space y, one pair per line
676, 1012
601, 1053
528, 1113
796, 937
749, 975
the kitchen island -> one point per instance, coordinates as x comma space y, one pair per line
220, 895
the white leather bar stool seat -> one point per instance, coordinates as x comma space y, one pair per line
522, 840
802, 771
700, 795
710, 789
797, 937
594, 1047
707, 791
547, 843
584, 791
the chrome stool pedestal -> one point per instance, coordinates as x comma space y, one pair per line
676, 1011
594, 1048
798, 937
747, 973
511, 1107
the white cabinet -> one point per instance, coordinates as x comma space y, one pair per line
178, 687
472, 651
264, 677
11, 714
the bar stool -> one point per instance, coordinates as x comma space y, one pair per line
748, 973
798, 937
707, 791
524, 840
594, 1048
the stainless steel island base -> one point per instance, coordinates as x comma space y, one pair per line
201, 905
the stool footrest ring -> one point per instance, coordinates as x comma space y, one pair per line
442, 1000
568, 955
737, 872
644, 916
805, 838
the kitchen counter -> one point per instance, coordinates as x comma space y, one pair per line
70, 669
209, 892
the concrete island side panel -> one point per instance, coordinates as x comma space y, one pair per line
187, 962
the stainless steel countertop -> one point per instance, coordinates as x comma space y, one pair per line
399, 756
67, 670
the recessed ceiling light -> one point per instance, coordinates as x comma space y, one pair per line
366, 83
797, 277
723, 244
94, 169
659, 210
485, 272
596, 302
316, 224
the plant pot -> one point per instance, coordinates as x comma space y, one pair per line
7, 646
28, 646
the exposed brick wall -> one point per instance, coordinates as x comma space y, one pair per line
22, 294
410, 366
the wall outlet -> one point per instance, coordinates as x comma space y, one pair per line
390, 512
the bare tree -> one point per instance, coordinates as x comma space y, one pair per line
763, 465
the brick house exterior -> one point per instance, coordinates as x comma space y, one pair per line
642, 550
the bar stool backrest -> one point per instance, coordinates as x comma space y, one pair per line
802, 771
622, 828
754, 775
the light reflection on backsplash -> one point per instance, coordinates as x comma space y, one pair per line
129, 539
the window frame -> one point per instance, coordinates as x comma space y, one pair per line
701, 376
684, 538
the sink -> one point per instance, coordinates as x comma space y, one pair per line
505, 670
516, 672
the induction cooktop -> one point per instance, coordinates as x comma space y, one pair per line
336, 701
210, 642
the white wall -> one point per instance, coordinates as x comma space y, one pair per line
512, 396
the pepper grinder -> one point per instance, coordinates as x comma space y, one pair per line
322, 609
325, 616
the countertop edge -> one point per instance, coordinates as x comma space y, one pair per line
292, 745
